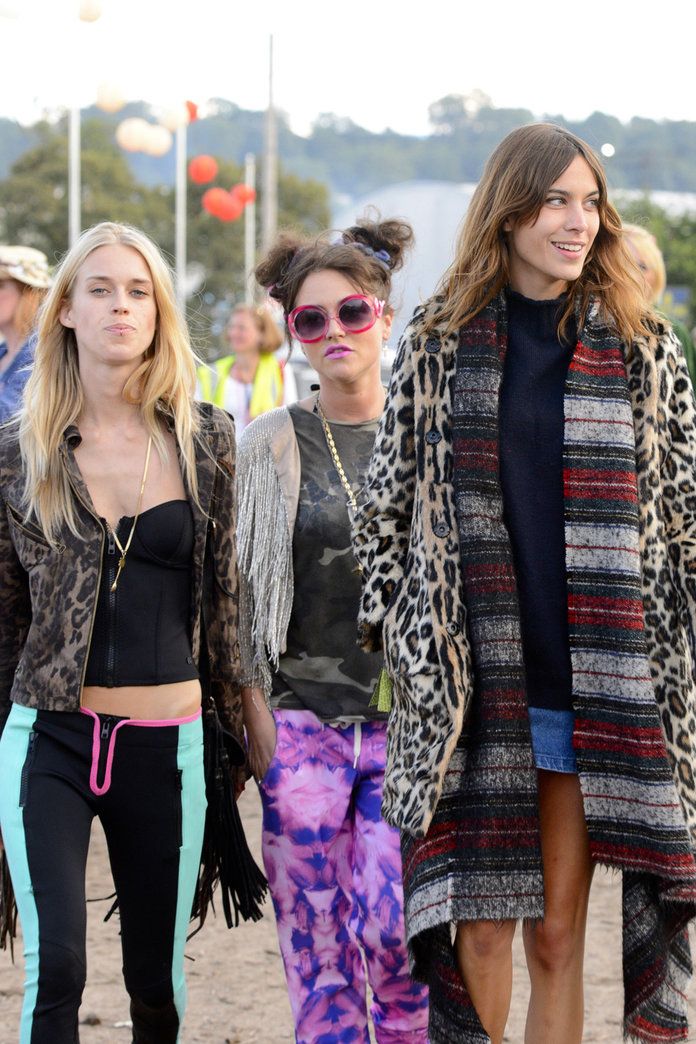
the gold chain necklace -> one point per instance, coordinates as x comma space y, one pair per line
114, 534
382, 695
352, 501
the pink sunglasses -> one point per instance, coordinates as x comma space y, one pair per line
356, 314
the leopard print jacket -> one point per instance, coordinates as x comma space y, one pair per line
49, 593
406, 541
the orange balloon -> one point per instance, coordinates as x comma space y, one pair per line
221, 204
244, 193
202, 169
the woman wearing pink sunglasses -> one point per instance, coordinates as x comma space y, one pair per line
315, 706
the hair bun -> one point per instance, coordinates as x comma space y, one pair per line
386, 241
272, 270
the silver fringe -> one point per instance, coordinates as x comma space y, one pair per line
264, 547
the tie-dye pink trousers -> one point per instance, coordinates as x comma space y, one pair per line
334, 868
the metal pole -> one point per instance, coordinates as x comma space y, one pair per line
270, 164
74, 186
180, 217
249, 230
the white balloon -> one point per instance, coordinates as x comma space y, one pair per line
90, 10
132, 134
174, 118
110, 97
158, 141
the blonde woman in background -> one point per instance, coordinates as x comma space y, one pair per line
648, 256
24, 279
251, 380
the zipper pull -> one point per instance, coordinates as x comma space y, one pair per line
111, 546
106, 728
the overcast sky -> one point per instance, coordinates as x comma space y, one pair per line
370, 61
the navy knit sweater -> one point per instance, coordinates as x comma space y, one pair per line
531, 476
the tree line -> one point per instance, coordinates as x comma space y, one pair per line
34, 212
139, 189
649, 154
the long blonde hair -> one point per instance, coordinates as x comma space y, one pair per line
162, 385
513, 188
649, 260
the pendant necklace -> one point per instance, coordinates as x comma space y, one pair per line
352, 500
112, 531
382, 694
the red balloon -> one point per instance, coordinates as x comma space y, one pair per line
244, 193
221, 204
192, 110
202, 169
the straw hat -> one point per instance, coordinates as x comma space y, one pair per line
26, 265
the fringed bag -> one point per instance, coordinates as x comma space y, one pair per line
8, 906
225, 857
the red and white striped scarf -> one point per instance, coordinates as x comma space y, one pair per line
483, 844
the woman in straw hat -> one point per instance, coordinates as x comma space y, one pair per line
24, 279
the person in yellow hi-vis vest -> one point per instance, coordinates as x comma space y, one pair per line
250, 381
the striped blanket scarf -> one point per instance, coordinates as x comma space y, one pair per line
481, 857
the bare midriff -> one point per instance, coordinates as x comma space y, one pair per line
145, 702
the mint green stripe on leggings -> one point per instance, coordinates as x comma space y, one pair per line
14, 749
193, 806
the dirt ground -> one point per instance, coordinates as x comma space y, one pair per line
235, 979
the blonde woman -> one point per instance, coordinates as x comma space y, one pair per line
528, 544
251, 380
115, 489
648, 256
24, 279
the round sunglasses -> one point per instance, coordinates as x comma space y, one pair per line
355, 314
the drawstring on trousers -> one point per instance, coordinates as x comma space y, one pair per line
357, 742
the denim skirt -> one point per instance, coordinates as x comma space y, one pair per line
552, 739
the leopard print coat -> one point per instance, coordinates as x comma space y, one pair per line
406, 541
49, 593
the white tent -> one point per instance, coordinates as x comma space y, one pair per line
435, 210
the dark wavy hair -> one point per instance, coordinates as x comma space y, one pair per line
366, 254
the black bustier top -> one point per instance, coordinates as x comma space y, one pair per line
142, 630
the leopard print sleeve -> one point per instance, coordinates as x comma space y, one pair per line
15, 612
678, 471
382, 525
222, 618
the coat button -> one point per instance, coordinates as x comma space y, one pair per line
433, 437
189, 659
432, 345
452, 628
441, 529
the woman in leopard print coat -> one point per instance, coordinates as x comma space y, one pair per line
533, 736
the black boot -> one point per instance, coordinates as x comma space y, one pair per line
154, 1025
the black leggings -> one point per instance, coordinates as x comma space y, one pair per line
145, 782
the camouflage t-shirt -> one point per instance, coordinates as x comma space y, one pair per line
322, 669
